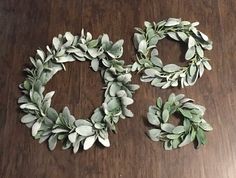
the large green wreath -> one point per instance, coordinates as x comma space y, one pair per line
46, 122
171, 75
192, 127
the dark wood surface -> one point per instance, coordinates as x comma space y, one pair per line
27, 25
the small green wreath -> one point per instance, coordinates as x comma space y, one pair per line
171, 74
193, 126
46, 122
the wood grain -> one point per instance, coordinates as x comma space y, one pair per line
27, 25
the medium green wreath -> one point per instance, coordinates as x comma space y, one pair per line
193, 125
171, 75
46, 122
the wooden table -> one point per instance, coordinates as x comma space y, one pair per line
27, 25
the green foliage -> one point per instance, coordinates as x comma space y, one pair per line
193, 125
171, 75
46, 122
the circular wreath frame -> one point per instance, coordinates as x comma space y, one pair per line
171, 75
193, 125
46, 122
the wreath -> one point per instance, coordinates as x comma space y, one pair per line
171, 75
193, 125
46, 122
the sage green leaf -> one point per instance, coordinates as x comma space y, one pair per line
41, 54
178, 129
195, 24
153, 41
98, 125
89, 141
105, 38
116, 50
59, 130
118, 44
97, 116
195, 118
127, 112
159, 102
147, 24
165, 115
167, 127
156, 61
179, 97
84, 130
88, 36
201, 70
35, 128
83, 122
49, 95
145, 78
133, 87
189, 105
61, 53
187, 124
207, 65
29, 106
113, 104
174, 83
137, 39
182, 36
173, 35
72, 137
23, 99
52, 114
95, 64
166, 85
93, 52
154, 52
172, 22
104, 142
121, 93
52, 142
193, 135
28, 118
192, 70
185, 23
201, 137
125, 78
114, 89
151, 72
171, 68
154, 134
135, 66
65, 58
76, 145
205, 126
175, 143
191, 42
69, 37
153, 119
207, 46
142, 47
127, 101
204, 37
200, 51
190, 53
92, 43
185, 113
171, 98
172, 136
186, 140
56, 43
